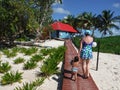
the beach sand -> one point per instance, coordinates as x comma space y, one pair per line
106, 78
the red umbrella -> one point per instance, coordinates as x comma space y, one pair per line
63, 27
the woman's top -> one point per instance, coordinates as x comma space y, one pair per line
86, 51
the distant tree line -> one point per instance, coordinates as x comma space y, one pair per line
87, 20
28, 18
23, 17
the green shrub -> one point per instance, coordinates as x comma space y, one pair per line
19, 60
38, 81
23, 50
50, 64
26, 86
15, 49
30, 51
107, 44
36, 58
49, 67
46, 52
9, 53
31, 86
4, 67
11, 77
30, 65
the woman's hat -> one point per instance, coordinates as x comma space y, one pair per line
88, 32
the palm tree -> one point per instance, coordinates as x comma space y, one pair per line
71, 20
87, 21
106, 21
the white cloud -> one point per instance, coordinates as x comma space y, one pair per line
116, 5
116, 32
61, 11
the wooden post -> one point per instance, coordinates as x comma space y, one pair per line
98, 55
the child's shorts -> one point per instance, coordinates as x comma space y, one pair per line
74, 69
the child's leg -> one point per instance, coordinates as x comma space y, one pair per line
72, 75
75, 75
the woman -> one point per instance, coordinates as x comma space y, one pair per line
85, 52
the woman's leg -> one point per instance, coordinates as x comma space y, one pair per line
84, 66
87, 68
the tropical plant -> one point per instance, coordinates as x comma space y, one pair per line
31, 86
9, 53
16, 18
45, 52
106, 21
26, 86
11, 77
23, 50
87, 20
49, 66
36, 58
38, 81
4, 67
19, 60
15, 49
109, 44
30, 65
29, 51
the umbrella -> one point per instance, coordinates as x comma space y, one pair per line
63, 27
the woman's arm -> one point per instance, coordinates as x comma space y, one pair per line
79, 50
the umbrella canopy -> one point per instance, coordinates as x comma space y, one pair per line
63, 27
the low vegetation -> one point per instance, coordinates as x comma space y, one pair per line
107, 44
19, 60
4, 67
31, 86
50, 64
29, 51
37, 58
30, 65
50, 58
9, 53
11, 77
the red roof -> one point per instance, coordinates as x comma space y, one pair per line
63, 27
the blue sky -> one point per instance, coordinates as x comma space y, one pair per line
78, 6
75, 7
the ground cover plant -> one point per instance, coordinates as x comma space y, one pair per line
107, 44
32, 85
19, 60
50, 58
4, 67
50, 64
37, 58
30, 65
11, 77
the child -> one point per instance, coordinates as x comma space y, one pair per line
75, 64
